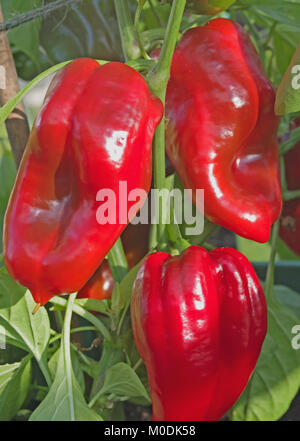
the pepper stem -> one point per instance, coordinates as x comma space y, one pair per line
130, 47
36, 308
158, 78
269, 282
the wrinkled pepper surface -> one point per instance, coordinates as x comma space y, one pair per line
290, 216
94, 130
199, 321
221, 128
135, 242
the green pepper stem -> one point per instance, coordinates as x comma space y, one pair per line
67, 348
137, 29
45, 370
130, 47
117, 261
61, 302
158, 79
290, 195
269, 282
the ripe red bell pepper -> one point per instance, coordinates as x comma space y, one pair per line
199, 322
135, 242
221, 132
290, 217
94, 130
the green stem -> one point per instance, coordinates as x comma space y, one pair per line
291, 194
137, 364
67, 348
59, 301
151, 36
208, 246
269, 282
270, 64
137, 29
158, 79
45, 370
73, 331
127, 32
117, 261
155, 13
294, 138
256, 36
282, 174
112, 353
116, 257
270, 35
141, 65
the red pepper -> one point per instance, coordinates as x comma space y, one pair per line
221, 128
100, 286
135, 242
95, 129
290, 217
199, 321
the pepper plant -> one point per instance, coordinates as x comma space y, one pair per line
116, 323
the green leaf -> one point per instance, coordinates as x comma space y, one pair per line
288, 298
7, 175
28, 331
285, 43
112, 353
11, 104
87, 28
117, 300
26, 36
15, 381
122, 381
65, 400
276, 379
254, 251
163, 11
87, 364
287, 12
126, 284
93, 305
284, 252
76, 366
288, 93
118, 413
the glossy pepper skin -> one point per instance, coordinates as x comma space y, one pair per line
221, 133
135, 242
94, 130
290, 216
199, 321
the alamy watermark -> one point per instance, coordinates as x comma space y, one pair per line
296, 79
296, 340
165, 206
